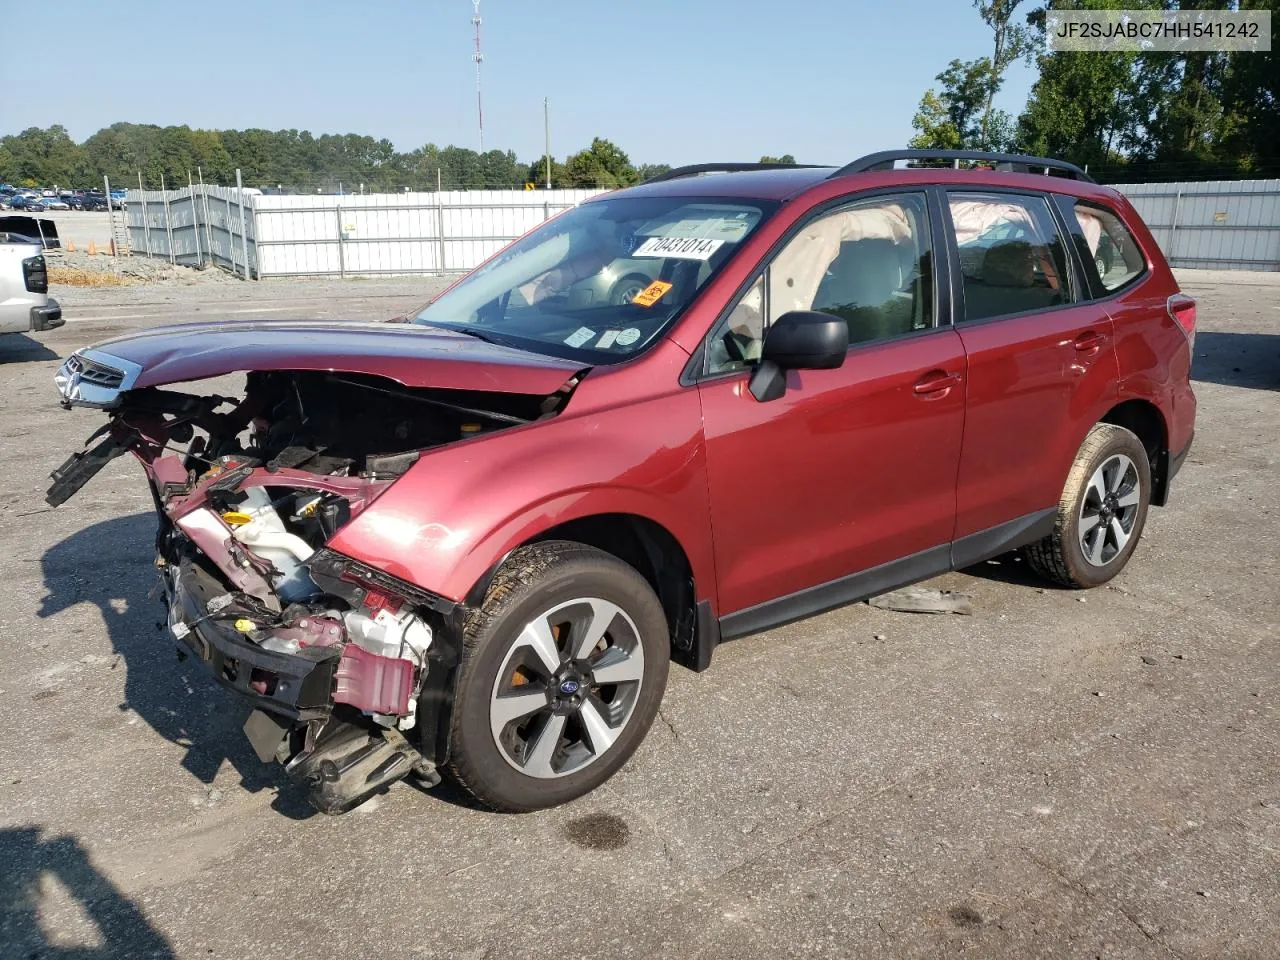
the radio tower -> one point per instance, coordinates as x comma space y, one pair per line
478, 57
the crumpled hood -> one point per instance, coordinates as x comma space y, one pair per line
415, 356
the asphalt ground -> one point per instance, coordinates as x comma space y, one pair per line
1061, 774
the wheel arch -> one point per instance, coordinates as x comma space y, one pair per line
1144, 419
657, 555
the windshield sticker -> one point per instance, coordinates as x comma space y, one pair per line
651, 294
628, 337
707, 222
580, 336
606, 339
679, 248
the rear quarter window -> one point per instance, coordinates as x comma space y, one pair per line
1108, 246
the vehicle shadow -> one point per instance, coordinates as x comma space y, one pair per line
109, 565
19, 348
1237, 359
1013, 569
35, 867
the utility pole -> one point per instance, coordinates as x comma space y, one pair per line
478, 57
546, 133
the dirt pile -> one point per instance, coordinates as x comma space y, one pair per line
78, 269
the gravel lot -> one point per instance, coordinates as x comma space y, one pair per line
1060, 775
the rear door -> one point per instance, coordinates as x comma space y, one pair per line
1041, 360
851, 468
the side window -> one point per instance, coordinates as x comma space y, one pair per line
1012, 258
869, 263
736, 341
1111, 247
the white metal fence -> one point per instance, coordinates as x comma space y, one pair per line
194, 226
352, 235
1213, 224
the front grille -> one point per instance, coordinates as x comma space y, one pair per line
99, 374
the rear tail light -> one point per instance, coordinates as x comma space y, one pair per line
35, 275
1183, 311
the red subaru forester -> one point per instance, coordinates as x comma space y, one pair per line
472, 541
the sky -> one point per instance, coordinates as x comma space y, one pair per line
669, 81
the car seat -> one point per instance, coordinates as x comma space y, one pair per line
860, 286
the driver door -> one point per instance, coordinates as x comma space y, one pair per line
852, 469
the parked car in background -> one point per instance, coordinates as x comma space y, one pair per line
28, 203
56, 203
93, 201
25, 304
470, 544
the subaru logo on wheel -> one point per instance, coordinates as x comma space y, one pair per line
569, 687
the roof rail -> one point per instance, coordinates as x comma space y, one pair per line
693, 169
1009, 162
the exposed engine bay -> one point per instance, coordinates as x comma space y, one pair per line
334, 654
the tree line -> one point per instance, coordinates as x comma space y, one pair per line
293, 160
1127, 116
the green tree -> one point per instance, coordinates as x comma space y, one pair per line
501, 170
647, 170
952, 117
47, 156
602, 164
1012, 41
785, 158
1081, 108
933, 123
1250, 100
536, 173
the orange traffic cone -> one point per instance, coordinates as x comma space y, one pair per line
93, 249
71, 247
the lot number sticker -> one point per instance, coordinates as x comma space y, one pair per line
680, 248
652, 293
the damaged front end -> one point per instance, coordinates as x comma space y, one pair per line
334, 655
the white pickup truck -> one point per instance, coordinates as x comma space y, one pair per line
25, 304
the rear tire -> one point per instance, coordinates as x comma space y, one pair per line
564, 665
1101, 514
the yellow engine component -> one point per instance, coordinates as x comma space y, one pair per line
234, 518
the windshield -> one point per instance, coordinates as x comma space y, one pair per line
602, 281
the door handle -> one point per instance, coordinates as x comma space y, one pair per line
1089, 341
935, 381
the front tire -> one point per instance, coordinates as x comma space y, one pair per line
1102, 511
563, 668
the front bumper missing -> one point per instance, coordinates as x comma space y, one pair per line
343, 758
298, 686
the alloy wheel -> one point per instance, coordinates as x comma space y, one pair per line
1109, 510
566, 688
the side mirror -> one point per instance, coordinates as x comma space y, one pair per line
798, 340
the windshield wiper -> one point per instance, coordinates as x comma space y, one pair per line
486, 337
